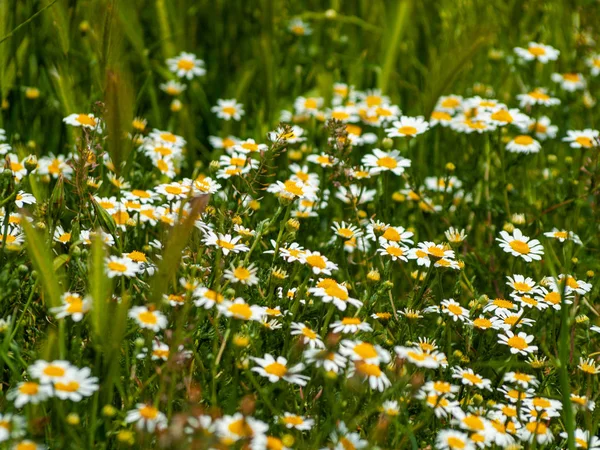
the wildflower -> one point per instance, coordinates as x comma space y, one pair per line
563, 235
587, 138
520, 245
29, 392
523, 144
76, 385
588, 366
225, 242
330, 290
455, 236
146, 418
470, 378
536, 430
83, 120
148, 318
241, 274
23, 198
297, 422
228, 109
239, 309
393, 250
371, 372
570, 82
407, 127
519, 344
454, 310
308, 335
276, 369
381, 161
186, 65
540, 52
318, 263
74, 307
522, 379
350, 325
298, 27
121, 266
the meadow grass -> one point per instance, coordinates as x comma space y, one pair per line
268, 225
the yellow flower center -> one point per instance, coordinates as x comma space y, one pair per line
224, 244
310, 103
455, 309
335, 290
520, 247
117, 266
537, 51
29, 388
175, 190
309, 333
84, 119
584, 141
241, 273
572, 77
523, 140
539, 95
395, 251
561, 234
502, 116
241, 310
148, 412
454, 442
294, 188
185, 64
520, 286
148, 317
293, 420
137, 256
367, 369
517, 342
436, 251
316, 261
351, 321
407, 131
71, 386
388, 162
277, 369
365, 350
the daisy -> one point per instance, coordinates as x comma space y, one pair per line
291, 190
538, 431
172, 87
289, 135
521, 285
524, 380
502, 116
75, 308
228, 109
449, 104
542, 128
587, 138
308, 105
54, 166
173, 191
77, 384
119, 266
297, 422
227, 143
346, 231
27, 444
350, 325
24, 198
364, 351
454, 235
239, 309
407, 127
322, 159
328, 360
371, 372
535, 51
146, 418
381, 161
355, 194
588, 366
148, 318
206, 298
231, 429
442, 406
318, 263
583, 440
330, 291
570, 82
29, 392
390, 408
16, 167
298, 27
393, 250
186, 65
225, 242
249, 146
506, 320
521, 245
83, 120
60, 235
276, 369
454, 310
537, 97
470, 378
523, 144
440, 118
308, 335
345, 440
563, 235
50, 372
519, 344
241, 274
